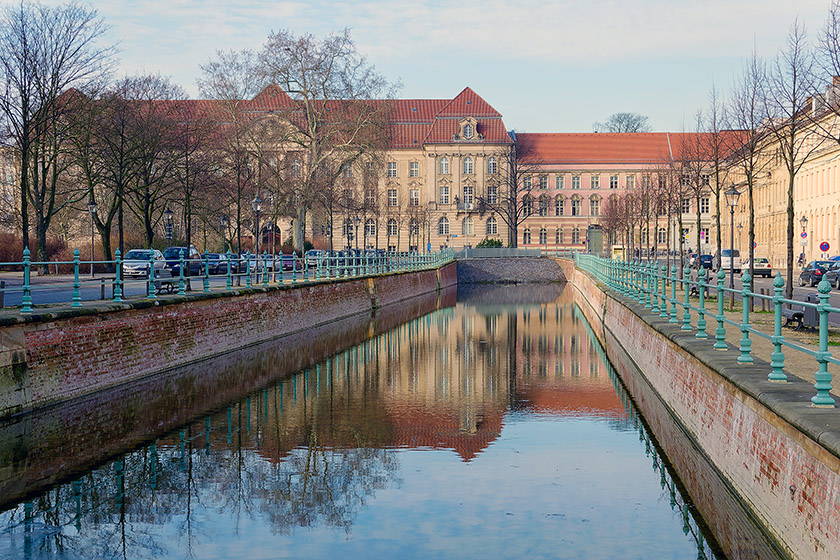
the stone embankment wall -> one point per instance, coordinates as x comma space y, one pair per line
776, 453
509, 271
62, 354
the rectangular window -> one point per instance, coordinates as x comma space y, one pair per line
559, 181
595, 182
704, 235
468, 194
526, 182
414, 197
704, 179
392, 197
492, 194
543, 182
631, 181
392, 169
576, 182
613, 181
685, 206
575, 207
370, 197
414, 169
444, 194
595, 207
704, 205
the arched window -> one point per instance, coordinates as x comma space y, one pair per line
467, 226
595, 205
661, 235
558, 236
492, 166
443, 226
444, 165
492, 226
559, 205
468, 131
543, 236
414, 227
544, 205
370, 227
527, 205
575, 235
392, 227
468, 165
526, 237
576, 205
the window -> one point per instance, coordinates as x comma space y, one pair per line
414, 169
526, 183
704, 205
543, 182
704, 179
467, 227
469, 131
543, 236
370, 197
347, 170
704, 235
613, 181
661, 235
392, 169
685, 205
392, 197
492, 226
492, 194
559, 205
559, 182
543, 205
468, 194
526, 237
575, 235
558, 236
444, 194
575, 207
527, 205
370, 228
684, 181
631, 181
576, 182
595, 206
295, 169
492, 166
414, 197
595, 182
444, 166
468, 165
413, 228
644, 236
443, 226
392, 227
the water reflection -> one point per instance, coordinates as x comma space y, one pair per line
493, 428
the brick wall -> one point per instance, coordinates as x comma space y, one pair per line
789, 482
68, 354
509, 270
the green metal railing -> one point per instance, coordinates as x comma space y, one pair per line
647, 283
248, 269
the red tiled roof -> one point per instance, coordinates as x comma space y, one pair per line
468, 103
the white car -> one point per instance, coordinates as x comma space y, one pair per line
760, 268
135, 263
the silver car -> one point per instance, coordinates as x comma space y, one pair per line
135, 263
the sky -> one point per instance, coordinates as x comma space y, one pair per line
546, 65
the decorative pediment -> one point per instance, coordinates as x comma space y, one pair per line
468, 131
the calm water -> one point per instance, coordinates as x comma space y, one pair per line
483, 430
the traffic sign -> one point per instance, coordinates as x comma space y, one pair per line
824, 246
803, 235
755, 244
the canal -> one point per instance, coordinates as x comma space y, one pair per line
490, 426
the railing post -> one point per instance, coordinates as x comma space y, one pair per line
655, 292
720, 330
673, 320
265, 268
118, 276
822, 377
206, 272
777, 357
181, 286
686, 326
746, 344
305, 266
663, 271
701, 313
248, 269
152, 290
229, 281
26, 300
77, 296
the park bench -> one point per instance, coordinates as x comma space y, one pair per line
793, 315
803, 316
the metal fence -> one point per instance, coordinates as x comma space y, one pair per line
19, 288
667, 294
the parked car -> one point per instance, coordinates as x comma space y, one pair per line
291, 263
192, 260
832, 276
706, 261
730, 257
218, 263
813, 272
313, 257
760, 268
135, 263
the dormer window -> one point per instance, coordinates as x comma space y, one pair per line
469, 131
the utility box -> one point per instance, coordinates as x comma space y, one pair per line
810, 316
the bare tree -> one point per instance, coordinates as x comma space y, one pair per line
716, 150
44, 51
623, 122
787, 107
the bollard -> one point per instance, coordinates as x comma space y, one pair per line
777, 357
746, 344
822, 377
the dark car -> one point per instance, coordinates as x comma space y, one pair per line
291, 263
813, 272
832, 276
192, 260
218, 263
706, 261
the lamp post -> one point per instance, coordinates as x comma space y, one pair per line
803, 221
224, 232
732, 195
167, 223
256, 204
92, 210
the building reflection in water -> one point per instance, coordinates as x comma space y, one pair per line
314, 449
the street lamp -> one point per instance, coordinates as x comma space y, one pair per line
803, 221
224, 232
167, 223
256, 204
732, 195
92, 210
